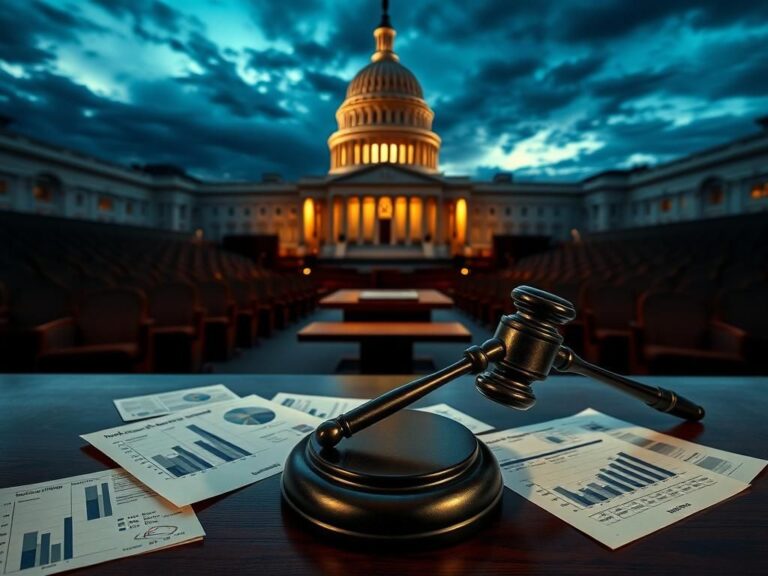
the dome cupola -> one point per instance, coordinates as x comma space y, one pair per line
384, 118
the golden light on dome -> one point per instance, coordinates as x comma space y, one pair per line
384, 118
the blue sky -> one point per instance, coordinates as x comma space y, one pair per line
230, 89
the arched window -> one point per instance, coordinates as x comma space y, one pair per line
366, 154
357, 153
374, 153
393, 153
713, 191
384, 153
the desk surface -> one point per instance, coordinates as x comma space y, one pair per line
410, 331
350, 299
249, 533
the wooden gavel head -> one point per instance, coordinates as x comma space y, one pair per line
532, 341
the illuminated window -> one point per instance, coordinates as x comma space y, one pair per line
3, 187
410, 153
716, 195
43, 191
402, 156
106, 204
344, 156
666, 205
357, 153
759, 191
366, 154
384, 153
393, 152
374, 153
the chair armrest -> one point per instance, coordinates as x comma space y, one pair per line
726, 337
59, 333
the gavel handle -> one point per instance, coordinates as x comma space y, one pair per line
475, 360
656, 397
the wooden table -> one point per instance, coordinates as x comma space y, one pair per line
385, 347
248, 531
361, 310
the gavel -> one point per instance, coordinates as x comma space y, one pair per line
525, 348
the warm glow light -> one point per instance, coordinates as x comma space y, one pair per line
366, 154
353, 218
393, 152
461, 221
307, 271
309, 219
199, 234
384, 153
464, 271
576, 236
401, 211
369, 218
416, 210
357, 153
374, 153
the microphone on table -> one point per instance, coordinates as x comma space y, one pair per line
524, 349
420, 477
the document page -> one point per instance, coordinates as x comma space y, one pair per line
326, 407
611, 490
736, 466
199, 453
60, 525
388, 295
151, 405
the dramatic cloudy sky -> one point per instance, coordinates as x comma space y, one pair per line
549, 89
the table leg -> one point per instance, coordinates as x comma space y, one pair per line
386, 356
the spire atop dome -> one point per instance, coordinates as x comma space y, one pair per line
385, 37
385, 22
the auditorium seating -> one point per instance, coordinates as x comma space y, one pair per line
54, 270
177, 329
718, 267
109, 333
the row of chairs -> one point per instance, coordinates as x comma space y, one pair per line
665, 301
90, 297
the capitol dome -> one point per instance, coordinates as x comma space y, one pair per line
385, 78
384, 118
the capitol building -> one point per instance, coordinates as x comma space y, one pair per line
384, 195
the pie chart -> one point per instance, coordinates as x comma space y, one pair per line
196, 397
249, 416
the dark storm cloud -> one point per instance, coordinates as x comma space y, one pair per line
496, 72
221, 82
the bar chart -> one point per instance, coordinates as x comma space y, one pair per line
69, 523
623, 474
97, 502
187, 460
37, 549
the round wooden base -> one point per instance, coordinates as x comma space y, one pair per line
413, 476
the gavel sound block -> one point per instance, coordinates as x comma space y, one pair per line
380, 472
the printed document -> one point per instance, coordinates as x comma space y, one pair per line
151, 405
612, 490
65, 524
203, 452
326, 407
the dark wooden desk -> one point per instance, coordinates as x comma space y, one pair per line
361, 310
385, 347
249, 533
